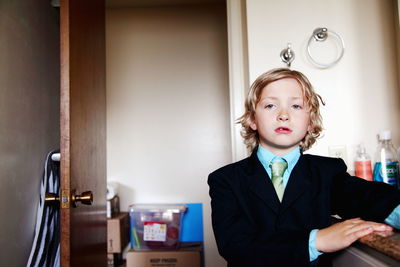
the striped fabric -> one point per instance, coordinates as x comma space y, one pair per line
46, 244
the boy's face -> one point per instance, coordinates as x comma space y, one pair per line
281, 119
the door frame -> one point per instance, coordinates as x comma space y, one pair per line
238, 72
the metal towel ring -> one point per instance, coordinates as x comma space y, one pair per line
320, 35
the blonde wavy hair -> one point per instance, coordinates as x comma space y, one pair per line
312, 103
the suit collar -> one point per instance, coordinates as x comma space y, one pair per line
260, 183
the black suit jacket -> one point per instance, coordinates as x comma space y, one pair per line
254, 229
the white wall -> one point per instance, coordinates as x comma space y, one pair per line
361, 91
168, 105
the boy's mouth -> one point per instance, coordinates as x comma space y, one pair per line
283, 130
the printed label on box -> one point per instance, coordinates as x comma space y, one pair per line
155, 231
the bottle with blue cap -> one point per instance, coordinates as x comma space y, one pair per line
386, 167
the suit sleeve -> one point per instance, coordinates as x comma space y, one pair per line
354, 197
241, 242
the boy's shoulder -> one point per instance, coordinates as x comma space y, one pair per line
322, 161
232, 166
320, 158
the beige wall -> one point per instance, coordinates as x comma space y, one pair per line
168, 105
29, 117
361, 91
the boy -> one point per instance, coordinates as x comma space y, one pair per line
274, 208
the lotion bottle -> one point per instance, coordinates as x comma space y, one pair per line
363, 164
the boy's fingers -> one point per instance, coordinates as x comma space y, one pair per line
382, 227
363, 226
360, 233
385, 233
364, 229
375, 226
356, 228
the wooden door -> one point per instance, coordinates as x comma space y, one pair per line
83, 132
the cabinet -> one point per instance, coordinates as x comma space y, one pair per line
359, 255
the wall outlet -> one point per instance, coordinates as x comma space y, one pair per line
338, 152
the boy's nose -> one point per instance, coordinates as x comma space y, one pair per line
283, 116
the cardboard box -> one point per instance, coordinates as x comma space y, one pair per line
185, 257
118, 233
112, 207
114, 259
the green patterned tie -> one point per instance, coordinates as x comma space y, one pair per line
278, 168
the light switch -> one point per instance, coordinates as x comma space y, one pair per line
338, 152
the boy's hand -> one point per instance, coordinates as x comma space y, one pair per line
341, 235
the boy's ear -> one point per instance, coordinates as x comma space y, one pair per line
253, 126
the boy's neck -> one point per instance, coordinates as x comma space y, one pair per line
279, 152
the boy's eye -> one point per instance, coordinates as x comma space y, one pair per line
268, 106
295, 106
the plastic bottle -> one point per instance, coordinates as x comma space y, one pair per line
363, 164
387, 166
398, 157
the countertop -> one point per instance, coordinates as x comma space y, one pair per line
389, 245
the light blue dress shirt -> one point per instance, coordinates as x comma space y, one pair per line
266, 157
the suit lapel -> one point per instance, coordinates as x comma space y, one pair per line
299, 182
260, 183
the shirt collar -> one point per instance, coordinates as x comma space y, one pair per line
266, 157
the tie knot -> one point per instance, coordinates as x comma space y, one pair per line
278, 168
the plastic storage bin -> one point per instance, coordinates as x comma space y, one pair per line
156, 226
